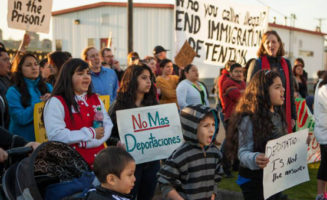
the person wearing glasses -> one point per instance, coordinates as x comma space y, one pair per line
133, 58
104, 80
108, 60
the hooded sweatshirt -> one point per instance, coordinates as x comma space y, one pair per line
193, 171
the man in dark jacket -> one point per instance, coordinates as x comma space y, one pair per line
4, 85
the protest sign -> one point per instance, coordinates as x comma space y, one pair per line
287, 165
29, 15
39, 129
305, 120
219, 30
150, 133
185, 56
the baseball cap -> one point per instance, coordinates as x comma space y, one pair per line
159, 49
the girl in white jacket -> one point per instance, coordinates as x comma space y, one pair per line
320, 131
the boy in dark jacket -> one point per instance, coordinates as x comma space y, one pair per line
193, 170
114, 168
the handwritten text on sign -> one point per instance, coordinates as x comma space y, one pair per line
220, 30
29, 15
150, 133
287, 165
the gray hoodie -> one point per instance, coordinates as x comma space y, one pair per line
193, 171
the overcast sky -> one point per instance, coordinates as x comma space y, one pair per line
306, 11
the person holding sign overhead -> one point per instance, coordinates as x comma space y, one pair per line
70, 113
270, 53
137, 90
29, 88
258, 118
189, 90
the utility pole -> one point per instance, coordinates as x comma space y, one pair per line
292, 24
130, 26
320, 20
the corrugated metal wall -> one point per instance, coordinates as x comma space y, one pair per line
152, 26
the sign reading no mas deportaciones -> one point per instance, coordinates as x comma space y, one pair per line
29, 15
150, 133
287, 165
220, 30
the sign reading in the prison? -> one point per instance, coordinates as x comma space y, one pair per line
29, 15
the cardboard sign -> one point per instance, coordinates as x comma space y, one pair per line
305, 120
185, 56
287, 165
29, 15
219, 30
39, 129
150, 133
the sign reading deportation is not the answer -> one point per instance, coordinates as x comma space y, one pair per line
150, 133
220, 30
29, 15
287, 165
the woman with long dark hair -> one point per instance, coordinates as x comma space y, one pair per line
190, 91
29, 88
300, 80
270, 57
137, 90
258, 118
56, 60
70, 112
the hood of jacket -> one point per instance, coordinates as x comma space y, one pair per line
190, 118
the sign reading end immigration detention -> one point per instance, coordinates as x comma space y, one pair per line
29, 15
287, 165
150, 133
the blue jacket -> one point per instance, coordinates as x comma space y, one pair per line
21, 119
105, 83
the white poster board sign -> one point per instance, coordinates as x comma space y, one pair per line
287, 165
220, 30
150, 133
29, 15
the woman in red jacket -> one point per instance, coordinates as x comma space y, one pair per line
69, 114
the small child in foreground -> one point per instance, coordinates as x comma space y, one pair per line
114, 167
193, 170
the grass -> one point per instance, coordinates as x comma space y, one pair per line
304, 191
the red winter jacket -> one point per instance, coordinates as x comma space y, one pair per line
224, 75
232, 91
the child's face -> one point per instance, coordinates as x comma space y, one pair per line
206, 129
276, 92
81, 81
125, 183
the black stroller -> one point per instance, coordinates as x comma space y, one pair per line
51, 164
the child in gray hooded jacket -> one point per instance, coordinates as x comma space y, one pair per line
193, 170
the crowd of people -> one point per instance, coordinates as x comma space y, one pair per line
255, 103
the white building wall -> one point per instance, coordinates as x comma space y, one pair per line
152, 26
155, 26
299, 43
